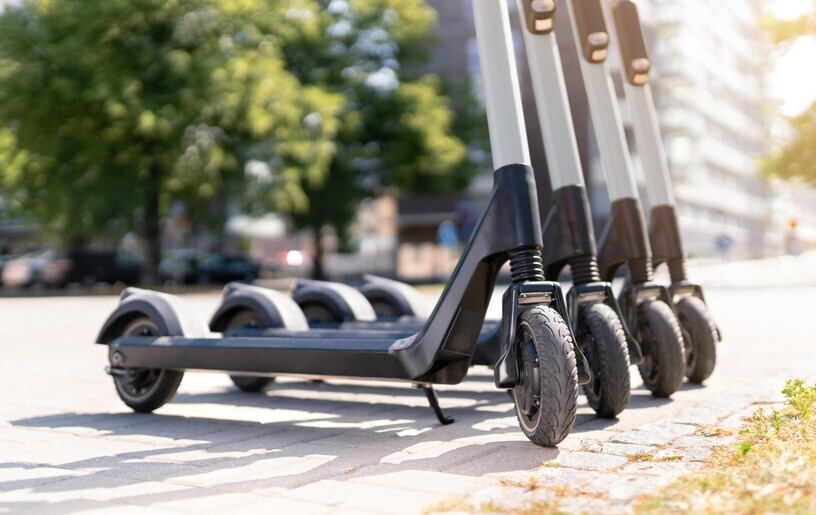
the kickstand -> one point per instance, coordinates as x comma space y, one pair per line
430, 393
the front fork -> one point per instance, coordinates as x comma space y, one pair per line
517, 298
601, 292
667, 247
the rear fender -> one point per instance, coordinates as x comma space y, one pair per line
275, 308
173, 316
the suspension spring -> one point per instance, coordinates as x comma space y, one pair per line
526, 264
641, 270
585, 270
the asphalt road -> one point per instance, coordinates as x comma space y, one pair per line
67, 443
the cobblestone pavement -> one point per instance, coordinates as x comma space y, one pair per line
68, 444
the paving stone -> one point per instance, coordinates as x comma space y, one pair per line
625, 486
434, 449
208, 501
698, 416
590, 460
738, 419
253, 470
377, 499
552, 476
426, 481
506, 459
19, 477
594, 505
702, 441
684, 454
638, 437
627, 449
508, 498
102, 487
68, 451
670, 469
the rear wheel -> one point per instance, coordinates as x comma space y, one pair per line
248, 319
664, 362
383, 308
142, 389
546, 397
603, 342
701, 356
319, 314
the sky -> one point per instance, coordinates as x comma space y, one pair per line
793, 80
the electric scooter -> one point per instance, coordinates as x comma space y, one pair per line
664, 233
595, 314
647, 306
153, 338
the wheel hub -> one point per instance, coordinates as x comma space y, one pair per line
649, 367
528, 391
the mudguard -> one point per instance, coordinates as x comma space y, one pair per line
344, 302
277, 309
403, 298
173, 316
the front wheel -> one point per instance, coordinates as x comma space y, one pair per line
603, 342
702, 355
142, 389
247, 318
546, 397
664, 362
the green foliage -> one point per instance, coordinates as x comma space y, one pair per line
118, 107
797, 158
801, 398
113, 108
396, 128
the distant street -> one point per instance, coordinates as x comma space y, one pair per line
67, 442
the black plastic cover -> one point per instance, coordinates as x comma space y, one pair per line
540, 16
591, 26
632, 45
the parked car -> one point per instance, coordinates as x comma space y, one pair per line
181, 267
223, 268
26, 270
90, 266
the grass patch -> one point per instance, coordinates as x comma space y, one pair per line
770, 468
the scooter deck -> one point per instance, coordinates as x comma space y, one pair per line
346, 354
488, 347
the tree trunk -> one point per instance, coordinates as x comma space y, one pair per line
152, 230
318, 271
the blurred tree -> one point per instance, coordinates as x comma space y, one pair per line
797, 158
396, 128
118, 107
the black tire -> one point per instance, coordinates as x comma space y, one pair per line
383, 308
664, 361
316, 313
546, 399
248, 318
145, 390
602, 340
697, 322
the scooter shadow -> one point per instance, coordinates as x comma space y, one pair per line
300, 442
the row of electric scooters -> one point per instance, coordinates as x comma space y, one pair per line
547, 343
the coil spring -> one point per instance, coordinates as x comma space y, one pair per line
641, 270
526, 265
585, 270
678, 270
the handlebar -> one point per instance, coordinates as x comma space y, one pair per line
632, 45
540, 16
589, 21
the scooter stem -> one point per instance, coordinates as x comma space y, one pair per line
592, 41
552, 101
508, 136
637, 67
